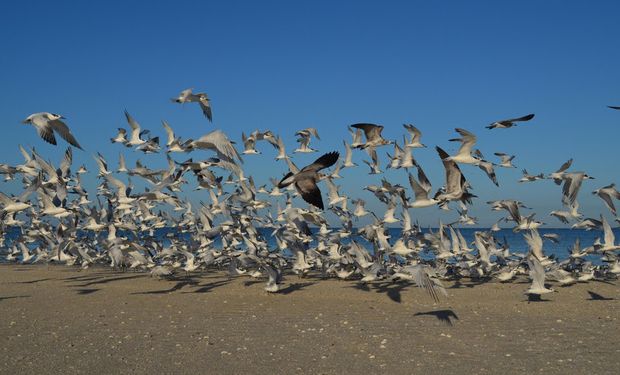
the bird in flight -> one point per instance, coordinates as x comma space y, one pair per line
47, 123
505, 124
307, 178
186, 96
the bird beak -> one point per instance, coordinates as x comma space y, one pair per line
26, 122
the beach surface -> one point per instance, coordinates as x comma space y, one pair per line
58, 319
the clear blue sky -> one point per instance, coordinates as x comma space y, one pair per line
288, 65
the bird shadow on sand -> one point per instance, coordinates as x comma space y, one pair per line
209, 287
85, 291
252, 282
597, 297
33, 281
177, 286
106, 280
295, 287
446, 317
12, 297
470, 284
536, 298
391, 290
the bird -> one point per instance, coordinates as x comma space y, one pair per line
614, 107
456, 184
47, 123
464, 154
608, 194
506, 160
305, 181
187, 96
304, 139
537, 275
372, 132
421, 190
505, 124
415, 136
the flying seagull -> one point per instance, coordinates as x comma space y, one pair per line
47, 123
306, 179
505, 124
186, 96
373, 135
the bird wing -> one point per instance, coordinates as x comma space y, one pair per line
44, 129
371, 131
565, 166
206, 107
169, 133
218, 141
454, 177
325, 161
310, 191
522, 118
468, 140
63, 130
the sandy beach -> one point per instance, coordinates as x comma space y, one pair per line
63, 320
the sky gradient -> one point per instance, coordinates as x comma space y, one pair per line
286, 66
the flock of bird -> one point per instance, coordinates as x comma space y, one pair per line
241, 229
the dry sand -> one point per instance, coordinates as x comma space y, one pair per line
62, 320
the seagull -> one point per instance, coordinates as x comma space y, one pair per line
505, 124
304, 139
186, 96
134, 139
537, 274
249, 144
607, 194
506, 160
530, 178
456, 184
421, 190
415, 136
373, 136
306, 179
47, 123
572, 184
608, 237
121, 137
558, 175
565, 216
348, 156
464, 156
218, 141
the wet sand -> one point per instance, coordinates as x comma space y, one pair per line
58, 319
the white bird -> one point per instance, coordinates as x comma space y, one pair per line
47, 123
305, 136
537, 274
506, 160
421, 190
186, 96
415, 136
134, 138
608, 194
463, 155
373, 136
608, 237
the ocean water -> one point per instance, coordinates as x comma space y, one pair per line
516, 241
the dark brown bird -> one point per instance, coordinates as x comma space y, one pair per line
307, 178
